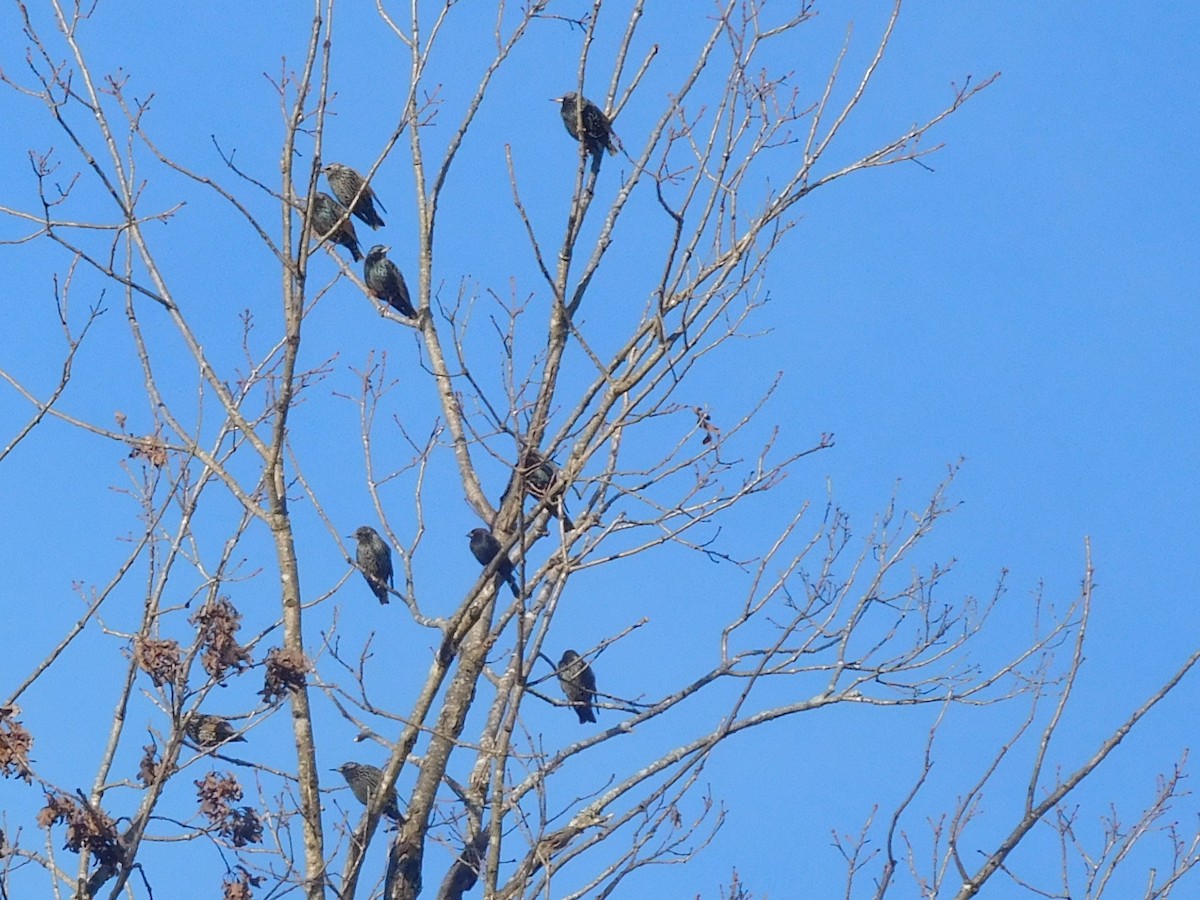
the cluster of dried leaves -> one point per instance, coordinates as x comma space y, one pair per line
15, 744
150, 768
219, 622
150, 448
286, 671
158, 659
236, 885
217, 794
87, 828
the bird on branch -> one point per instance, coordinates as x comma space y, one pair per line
347, 184
589, 125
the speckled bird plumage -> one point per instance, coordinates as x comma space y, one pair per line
384, 281
326, 213
579, 684
374, 558
346, 184
364, 781
597, 132
540, 476
209, 731
485, 547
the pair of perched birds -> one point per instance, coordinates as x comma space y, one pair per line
374, 558
578, 684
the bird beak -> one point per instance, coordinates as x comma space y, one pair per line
387, 249
556, 99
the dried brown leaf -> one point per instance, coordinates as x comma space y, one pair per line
219, 622
87, 828
159, 659
15, 744
286, 671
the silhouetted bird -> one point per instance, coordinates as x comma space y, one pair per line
578, 683
485, 547
539, 474
364, 781
384, 281
345, 184
209, 731
326, 212
597, 132
374, 557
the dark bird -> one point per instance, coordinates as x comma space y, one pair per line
346, 184
326, 212
579, 684
209, 731
591, 126
540, 477
364, 781
485, 547
384, 281
374, 558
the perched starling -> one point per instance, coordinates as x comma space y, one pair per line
578, 683
364, 781
208, 731
375, 560
385, 281
326, 212
597, 131
485, 547
539, 474
345, 184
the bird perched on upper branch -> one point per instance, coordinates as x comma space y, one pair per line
589, 125
346, 184
209, 731
326, 213
384, 281
579, 684
540, 478
485, 547
364, 781
374, 558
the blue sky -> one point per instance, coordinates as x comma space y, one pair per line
1029, 305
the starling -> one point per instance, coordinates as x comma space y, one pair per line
374, 558
485, 547
385, 281
364, 781
579, 684
326, 212
209, 731
597, 133
539, 474
345, 184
